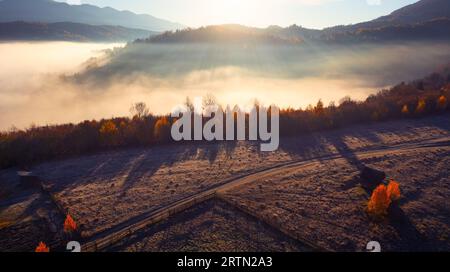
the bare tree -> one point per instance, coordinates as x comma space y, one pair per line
209, 100
345, 99
189, 105
139, 110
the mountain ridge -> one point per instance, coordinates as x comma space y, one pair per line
407, 23
49, 11
419, 12
68, 31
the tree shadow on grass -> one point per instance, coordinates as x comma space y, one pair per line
410, 239
133, 164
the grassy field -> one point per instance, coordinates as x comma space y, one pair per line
320, 200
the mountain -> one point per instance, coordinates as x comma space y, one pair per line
424, 20
49, 11
433, 30
224, 34
66, 31
419, 12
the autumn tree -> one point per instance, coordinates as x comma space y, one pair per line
379, 201
109, 131
442, 103
108, 128
393, 191
319, 108
405, 110
69, 224
162, 129
421, 105
42, 247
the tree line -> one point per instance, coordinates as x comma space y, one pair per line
415, 99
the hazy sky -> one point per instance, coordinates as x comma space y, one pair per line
307, 13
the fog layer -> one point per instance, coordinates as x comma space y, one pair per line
33, 90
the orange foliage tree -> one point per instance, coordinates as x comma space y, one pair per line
379, 201
393, 191
69, 225
109, 132
382, 197
162, 129
442, 103
405, 110
42, 247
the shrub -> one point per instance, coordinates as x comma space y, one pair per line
379, 201
42, 247
393, 191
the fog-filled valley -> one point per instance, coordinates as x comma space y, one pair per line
57, 82
100, 150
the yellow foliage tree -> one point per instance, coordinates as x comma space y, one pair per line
108, 128
421, 105
108, 131
379, 201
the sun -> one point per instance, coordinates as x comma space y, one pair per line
248, 12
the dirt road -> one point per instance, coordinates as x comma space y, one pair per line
107, 238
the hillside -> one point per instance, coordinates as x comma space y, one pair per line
426, 20
224, 34
310, 187
419, 12
66, 31
433, 30
52, 12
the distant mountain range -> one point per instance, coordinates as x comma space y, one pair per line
48, 11
424, 20
50, 20
66, 31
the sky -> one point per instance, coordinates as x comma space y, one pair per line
259, 13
